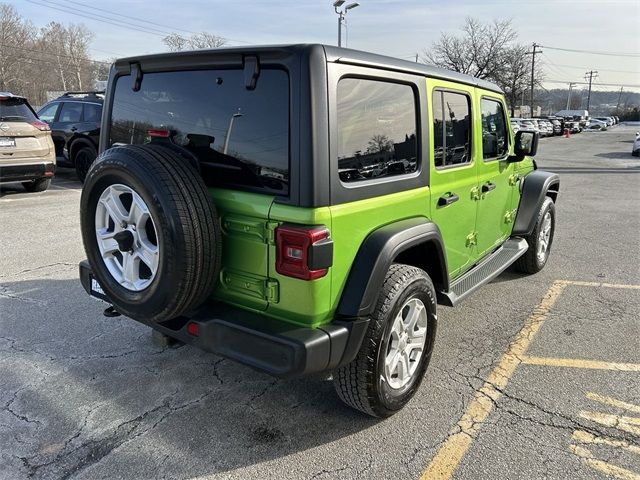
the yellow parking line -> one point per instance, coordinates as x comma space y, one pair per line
626, 424
580, 363
604, 467
453, 450
586, 437
613, 402
600, 284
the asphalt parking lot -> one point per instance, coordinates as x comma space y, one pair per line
532, 377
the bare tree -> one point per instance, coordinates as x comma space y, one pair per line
15, 34
197, 41
478, 51
379, 143
78, 38
515, 76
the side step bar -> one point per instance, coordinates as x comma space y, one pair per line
484, 272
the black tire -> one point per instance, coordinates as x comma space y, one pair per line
187, 229
530, 262
39, 185
83, 157
361, 384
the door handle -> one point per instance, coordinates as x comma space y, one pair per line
487, 187
448, 200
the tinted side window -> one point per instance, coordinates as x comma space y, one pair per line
48, 113
376, 129
494, 129
71, 112
92, 112
451, 129
240, 136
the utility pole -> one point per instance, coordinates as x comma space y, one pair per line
569, 96
533, 68
618, 104
590, 75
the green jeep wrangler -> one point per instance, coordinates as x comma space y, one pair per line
304, 208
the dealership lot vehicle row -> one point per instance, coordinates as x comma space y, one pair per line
539, 374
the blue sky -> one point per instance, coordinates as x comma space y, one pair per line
397, 28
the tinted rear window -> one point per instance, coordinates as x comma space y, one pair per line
15, 110
240, 136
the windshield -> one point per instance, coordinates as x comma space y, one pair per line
14, 109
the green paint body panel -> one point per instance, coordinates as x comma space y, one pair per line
471, 228
244, 279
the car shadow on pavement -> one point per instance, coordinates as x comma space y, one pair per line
86, 393
618, 155
64, 179
586, 170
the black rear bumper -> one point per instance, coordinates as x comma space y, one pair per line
24, 172
275, 347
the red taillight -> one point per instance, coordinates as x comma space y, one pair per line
40, 125
193, 329
157, 133
295, 247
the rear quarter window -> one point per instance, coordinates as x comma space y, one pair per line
240, 136
376, 129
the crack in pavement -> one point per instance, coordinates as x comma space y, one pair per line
41, 267
69, 463
9, 295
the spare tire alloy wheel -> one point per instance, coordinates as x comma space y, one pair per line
150, 231
127, 237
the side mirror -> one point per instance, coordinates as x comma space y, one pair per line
526, 145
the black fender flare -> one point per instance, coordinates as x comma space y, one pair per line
375, 256
535, 187
75, 143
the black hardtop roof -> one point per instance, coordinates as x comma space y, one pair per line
333, 54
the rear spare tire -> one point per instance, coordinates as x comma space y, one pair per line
150, 231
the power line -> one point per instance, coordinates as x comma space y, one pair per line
141, 29
113, 21
597, 84
171, 28
583, 68
39, 52
615, 54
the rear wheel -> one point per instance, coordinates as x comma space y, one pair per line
38, 185
83, 157
397, 348
150, 232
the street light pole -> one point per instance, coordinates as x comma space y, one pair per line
342, 16
226, 138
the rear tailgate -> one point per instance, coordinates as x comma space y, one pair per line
22, 135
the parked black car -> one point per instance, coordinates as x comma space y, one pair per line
74, 119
